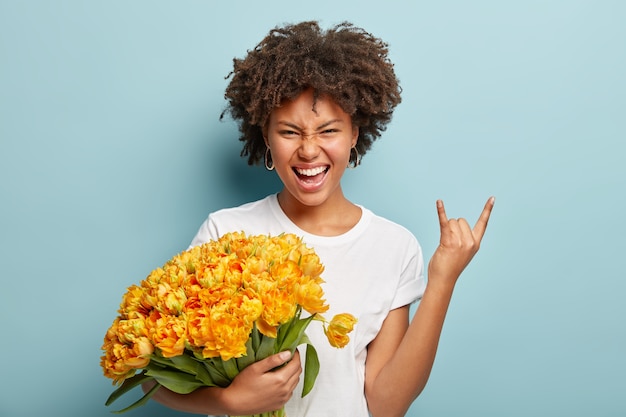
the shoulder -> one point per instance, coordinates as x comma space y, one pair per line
246, 208
249, 217
388, 230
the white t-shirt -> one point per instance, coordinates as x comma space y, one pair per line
373, 268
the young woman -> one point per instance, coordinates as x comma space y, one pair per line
310, 103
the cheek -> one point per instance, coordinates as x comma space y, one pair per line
340, 152
282, 152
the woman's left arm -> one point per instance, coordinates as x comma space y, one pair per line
400, 358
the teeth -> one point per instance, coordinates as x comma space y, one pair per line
311, 172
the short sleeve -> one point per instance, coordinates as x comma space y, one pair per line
412, 283
206, 233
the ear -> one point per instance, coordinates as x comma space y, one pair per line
355, 135
264, 133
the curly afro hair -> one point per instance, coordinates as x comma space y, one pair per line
344, 62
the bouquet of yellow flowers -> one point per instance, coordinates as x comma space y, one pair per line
214, 309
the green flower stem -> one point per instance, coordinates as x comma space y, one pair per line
129, 384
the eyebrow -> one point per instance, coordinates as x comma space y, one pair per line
320, 127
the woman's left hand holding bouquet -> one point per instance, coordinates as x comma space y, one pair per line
258, 388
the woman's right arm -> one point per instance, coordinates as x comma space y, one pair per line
258, 388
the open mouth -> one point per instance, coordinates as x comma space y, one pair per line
311, 175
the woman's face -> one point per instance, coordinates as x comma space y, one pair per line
310, 147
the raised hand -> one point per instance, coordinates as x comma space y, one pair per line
458, 244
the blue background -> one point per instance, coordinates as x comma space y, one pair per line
112, 154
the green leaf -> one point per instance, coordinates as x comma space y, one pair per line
179, 382
204, 375
255, 337
217, 372
294, 337
248, 358
311, 368
127, 385
142, 401
185, 363
285, 329
230, 366
160, 361
266, 348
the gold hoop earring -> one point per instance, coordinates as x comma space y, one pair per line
269, 164
356, 161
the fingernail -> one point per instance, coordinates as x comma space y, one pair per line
285, 355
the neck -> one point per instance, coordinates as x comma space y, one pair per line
333, 217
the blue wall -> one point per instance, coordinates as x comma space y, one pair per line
112, 154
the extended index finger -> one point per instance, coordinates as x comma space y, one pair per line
441, 213
481, 223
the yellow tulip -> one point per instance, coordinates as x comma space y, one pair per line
309, 295
168, 333
338, 329
311, 265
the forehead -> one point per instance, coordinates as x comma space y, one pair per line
308, 108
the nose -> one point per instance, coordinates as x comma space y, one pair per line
309, 148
